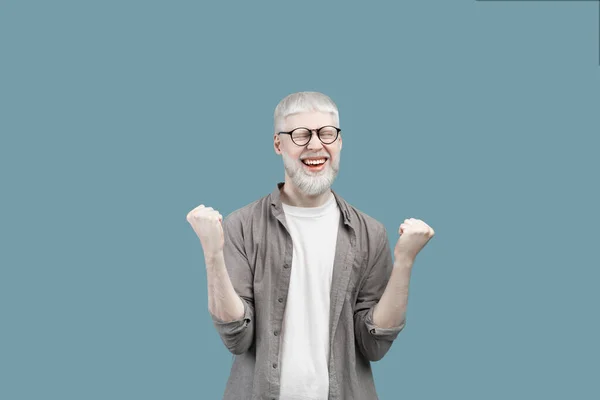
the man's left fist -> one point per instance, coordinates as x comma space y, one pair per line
414, 235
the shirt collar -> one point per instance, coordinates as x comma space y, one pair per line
278, 208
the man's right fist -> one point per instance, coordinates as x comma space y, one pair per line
206, 222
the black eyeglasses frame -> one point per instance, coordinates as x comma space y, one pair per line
317, 131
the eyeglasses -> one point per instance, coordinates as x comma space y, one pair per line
326, 134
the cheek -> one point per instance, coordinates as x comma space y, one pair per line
292, 153
334, 153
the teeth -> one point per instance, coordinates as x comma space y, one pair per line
314, 162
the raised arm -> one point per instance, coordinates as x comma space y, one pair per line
229, 277
373, 340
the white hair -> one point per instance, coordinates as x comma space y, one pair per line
304, 102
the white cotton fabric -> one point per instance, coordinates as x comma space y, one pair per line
305, 331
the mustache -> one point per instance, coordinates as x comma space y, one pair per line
313, 156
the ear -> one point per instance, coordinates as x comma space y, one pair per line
340, 139
277, 143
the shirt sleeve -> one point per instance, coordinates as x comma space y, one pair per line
374, 342
237, 335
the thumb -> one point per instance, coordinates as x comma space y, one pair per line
401, 230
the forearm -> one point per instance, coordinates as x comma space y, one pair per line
223, 301
390, 311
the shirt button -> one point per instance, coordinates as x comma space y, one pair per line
276, 333
286, 265
274, 365
280, 299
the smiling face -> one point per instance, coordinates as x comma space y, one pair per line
311, 168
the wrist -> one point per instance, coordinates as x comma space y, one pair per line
403, 261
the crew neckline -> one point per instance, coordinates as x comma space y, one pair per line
311, 212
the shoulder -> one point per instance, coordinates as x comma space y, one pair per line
366, 222
372, 241
370, 232
243, 216
362, 221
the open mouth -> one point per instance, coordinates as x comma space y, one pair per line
314, 163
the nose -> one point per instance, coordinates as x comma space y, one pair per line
314, 142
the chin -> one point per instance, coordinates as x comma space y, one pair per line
307, 182
314, 185
319, 192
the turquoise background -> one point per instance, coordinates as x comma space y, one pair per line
118, 117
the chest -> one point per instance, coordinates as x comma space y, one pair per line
321, 251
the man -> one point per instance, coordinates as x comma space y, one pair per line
301, 285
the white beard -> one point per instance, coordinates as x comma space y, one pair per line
311, 183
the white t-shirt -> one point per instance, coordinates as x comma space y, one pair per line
305, 331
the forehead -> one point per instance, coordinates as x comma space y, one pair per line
311, 120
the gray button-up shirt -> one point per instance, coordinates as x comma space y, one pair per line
258, 258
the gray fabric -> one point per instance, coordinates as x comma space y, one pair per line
258, 257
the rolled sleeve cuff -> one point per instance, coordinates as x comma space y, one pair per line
231, 328
382, 333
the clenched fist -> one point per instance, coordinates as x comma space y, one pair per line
206, 222
414, 235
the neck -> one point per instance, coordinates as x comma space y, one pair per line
292, 196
